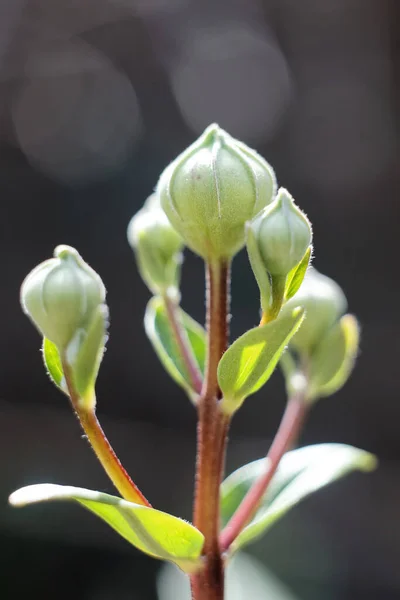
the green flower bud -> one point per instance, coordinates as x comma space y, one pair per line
333, 359
157, 247
61, 295
212, 189
282, 233
324, 303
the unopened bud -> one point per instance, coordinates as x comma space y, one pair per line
324, 303
157, 247
212, 189
61, 296
282, 233
332, 360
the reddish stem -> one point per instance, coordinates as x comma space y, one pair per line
183, 344
211, 440
101, 446
286, 435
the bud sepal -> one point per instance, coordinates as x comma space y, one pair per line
296, 276
84, 355
261, 275
52, 363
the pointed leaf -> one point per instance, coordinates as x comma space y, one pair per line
258, 268
250, 361
333, 359
154, 532
85, 353
52, 361
300, 473
161, 336
296, 275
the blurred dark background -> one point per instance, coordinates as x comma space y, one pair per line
97, 96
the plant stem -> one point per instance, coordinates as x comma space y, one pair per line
286, 435
211, 440
184, 347
101, 446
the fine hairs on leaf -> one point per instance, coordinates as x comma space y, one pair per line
52, 361
217, 197
247, 365
156, 533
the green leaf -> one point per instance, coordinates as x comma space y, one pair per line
160, 334
258, 268
300, 473
52, 362
296, 275
333, 359
250, 361
154, 532
84, 354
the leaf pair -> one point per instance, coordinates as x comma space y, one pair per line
300, 473
83, 355
154, 532
244, 368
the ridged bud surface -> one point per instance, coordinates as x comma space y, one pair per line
61, 295
212, 189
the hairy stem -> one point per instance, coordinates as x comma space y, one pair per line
101, 446
286, 435
183, 344
211, 440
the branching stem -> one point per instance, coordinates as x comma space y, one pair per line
286, 435
183, 344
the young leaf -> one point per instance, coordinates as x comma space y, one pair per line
85, 359
258, 268
52, 362
333, 359
154, 532
162, 337
300, 473
250, 361
296, 276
